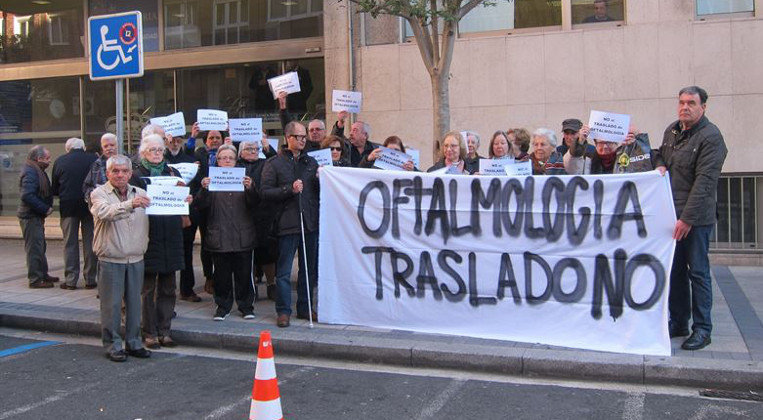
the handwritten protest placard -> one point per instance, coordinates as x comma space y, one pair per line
167, 200
173, 124
226, 179
494, 166
415, 155
212, 119
241, 129
391, 159
162, 180
609, 126
323, 156
187, 170
519, 168
273, 145
288, 83
344, 100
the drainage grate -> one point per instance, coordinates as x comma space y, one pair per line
733, 395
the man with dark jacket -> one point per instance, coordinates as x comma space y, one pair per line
97, 175
36, 204
358, 143
291, 181
316, 129
693, 151
69, 172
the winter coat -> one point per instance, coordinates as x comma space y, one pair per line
95, 177
554, 165
264, 212
230, 225
629, 158
33, 204
278, 176
469, 168
69, 173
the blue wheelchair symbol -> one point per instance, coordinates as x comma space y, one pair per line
116, 46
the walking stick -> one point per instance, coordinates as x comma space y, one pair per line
304, 257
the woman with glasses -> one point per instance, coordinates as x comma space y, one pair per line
164, 255
231, 236
391, 142
453, 150
339, 153
632, 155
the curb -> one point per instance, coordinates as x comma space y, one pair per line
373, 347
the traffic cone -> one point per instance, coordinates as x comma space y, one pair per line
266, 400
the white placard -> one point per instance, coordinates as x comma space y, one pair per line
173, 124
323, 156
519, 168
608, 126
461, 257
288, 82
241, 129
273, 145
187, 170
167, 200
494, 167
391, 159
415, 155
162, 180
226, 179
345, 100
212, 119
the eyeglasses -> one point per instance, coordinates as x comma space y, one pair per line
336, 149
226, 158
299, 136
316, 129
155, 150
250, 149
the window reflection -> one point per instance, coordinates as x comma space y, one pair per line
32, 31
595, 11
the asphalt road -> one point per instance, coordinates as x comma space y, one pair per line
72, 379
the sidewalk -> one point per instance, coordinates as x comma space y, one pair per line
733, 360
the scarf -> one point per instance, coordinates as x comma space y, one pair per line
44, 182
155, 169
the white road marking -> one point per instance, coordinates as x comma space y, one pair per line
431, 410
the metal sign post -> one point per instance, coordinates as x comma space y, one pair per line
120, 96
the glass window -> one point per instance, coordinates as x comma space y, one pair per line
41, 30
506, 15
595, 11
181, 28
713, 7
99, 111
149, 10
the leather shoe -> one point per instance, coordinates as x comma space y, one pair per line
51, 279
151, 343
140, 353
117, 355
283, 321
191, 298
91, 286
67, 287
699, 339
676, 331
304, 316
41, 284
167, 341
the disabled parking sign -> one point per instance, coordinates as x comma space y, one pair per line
116, 46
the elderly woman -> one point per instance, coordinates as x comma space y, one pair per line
339, 153
164, 255
472, 149
207, 156
499, 147
633, 155
266, 251
231, 236
520, 143
545, 159
391, 142
453, 150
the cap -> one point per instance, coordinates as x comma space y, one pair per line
573, 124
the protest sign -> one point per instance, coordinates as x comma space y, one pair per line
518, 168
162, 180
167, 200
608, 126
273, 145
187, 170
212, 119
344, 100
574, 261
226, 179
415, 155
391, 159
288, 83
323, 156
173, 124
494, 166
241, 129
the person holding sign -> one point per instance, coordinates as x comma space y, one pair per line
391, 142
545, 158
164, 255
453, 151
316, 129
290, 181
207, 156
231, 236
338, 151
632, 155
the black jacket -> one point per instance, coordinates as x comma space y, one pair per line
230, 225
264, 214
694, 158
357, 157
32, 203
165, 233
94, 178
69, 173
278, 175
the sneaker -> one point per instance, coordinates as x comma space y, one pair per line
220, 314
248, 315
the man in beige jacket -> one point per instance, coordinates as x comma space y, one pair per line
120, 240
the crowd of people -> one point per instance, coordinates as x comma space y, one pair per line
255, 234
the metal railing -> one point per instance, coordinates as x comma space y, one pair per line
738, 213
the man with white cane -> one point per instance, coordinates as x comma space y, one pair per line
290, 180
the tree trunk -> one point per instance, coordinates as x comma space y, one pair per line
440, 110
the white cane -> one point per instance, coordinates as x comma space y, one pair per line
304, 257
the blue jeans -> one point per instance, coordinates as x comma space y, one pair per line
287, 247
691, 291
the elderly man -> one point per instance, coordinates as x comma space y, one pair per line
121, 239
316, 129
97, 175
360, 146
290, 180
693, 151
36, 204
69, 172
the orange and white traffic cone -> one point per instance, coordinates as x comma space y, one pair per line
266, 400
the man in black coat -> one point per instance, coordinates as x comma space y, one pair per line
69, 173
290, 180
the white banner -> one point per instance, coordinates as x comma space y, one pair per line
574, 261
226, 179
495, 166
167, 200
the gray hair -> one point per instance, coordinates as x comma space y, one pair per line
118, 160
550, 135
151, 139
476, 137
36, 152
320, 122
695, 90
109, 136
290, 127
74, 143
366, 128
152, 129
245, 143
230, 147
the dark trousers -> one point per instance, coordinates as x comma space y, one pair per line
33, 231
287, 247
70, 226
691, 291
233, 272
187, 278
207, 262
158, 298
